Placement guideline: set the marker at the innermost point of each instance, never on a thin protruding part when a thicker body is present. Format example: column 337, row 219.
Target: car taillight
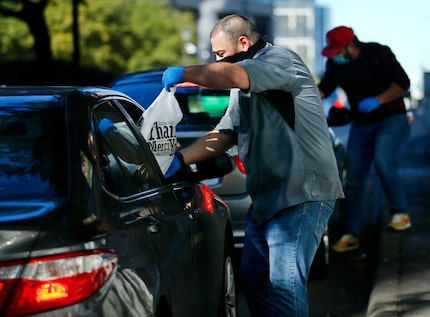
column 338, row 104
column 208, row 197
column 239, row 164
column 50, row 282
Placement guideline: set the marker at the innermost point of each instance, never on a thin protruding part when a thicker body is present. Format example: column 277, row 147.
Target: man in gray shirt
column 276, row 118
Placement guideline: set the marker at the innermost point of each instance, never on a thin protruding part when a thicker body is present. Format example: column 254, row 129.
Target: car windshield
column 29, row 160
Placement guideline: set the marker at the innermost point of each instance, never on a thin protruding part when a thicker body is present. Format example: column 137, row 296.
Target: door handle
column 152, row 224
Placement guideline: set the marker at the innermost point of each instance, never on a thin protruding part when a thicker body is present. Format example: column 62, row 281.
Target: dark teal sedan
column 88, row 224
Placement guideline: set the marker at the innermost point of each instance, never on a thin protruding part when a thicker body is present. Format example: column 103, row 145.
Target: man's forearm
column 218, row 75
column 211, row 145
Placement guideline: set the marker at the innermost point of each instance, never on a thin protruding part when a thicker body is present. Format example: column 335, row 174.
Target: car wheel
column 228, row 304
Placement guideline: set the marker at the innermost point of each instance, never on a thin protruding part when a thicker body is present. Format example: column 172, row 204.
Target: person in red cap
column 375, row 84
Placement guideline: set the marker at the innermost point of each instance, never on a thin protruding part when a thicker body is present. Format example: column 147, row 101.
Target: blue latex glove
column 176, row 164
column 105, row 125
column 368, row 104
column 172, row 76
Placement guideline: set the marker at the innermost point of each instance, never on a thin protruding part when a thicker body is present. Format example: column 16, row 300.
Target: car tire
column 228, row 300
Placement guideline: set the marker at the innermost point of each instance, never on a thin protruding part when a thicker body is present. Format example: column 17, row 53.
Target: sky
column 404, row 26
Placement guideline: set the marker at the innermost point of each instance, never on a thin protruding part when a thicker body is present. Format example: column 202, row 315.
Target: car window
column 32, row 153
column 127, row 168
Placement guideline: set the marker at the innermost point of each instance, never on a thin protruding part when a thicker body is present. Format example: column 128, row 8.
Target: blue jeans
column 378, row 143
column 277, row 256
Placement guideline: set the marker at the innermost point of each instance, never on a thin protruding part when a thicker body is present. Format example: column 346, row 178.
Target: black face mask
column 245, row 55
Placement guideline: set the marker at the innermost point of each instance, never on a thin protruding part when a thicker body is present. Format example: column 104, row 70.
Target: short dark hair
column 235, row 26
column 356, row 41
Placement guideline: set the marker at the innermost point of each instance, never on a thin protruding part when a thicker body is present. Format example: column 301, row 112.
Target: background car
column 202, row 108
column 88, row 224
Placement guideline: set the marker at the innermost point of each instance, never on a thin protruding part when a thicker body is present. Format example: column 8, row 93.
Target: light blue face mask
column 340, row 59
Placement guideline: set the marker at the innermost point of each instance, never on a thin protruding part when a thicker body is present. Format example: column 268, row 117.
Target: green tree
column 122, row 35
column 114, row 36
column 15, row 40
column 31, row 12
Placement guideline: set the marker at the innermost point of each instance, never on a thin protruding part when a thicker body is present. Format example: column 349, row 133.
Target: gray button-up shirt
column 291, row 160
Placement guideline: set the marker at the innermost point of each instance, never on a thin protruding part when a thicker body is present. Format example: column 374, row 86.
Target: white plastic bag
column 159, row 127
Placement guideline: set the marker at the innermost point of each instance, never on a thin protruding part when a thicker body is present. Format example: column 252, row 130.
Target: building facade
column 297, row 24
column 301, row 26
column 208, row 12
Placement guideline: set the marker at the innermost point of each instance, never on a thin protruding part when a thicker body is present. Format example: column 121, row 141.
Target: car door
column 153, row 236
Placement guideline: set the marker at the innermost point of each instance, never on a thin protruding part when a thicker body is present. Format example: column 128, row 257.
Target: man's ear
column 244, row 44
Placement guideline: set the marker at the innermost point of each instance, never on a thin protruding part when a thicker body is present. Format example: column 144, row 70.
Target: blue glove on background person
column 368, row 104
column 172, row 76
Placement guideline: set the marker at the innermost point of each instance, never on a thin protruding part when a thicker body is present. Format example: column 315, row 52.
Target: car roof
column 34, row 90
column 55, row 92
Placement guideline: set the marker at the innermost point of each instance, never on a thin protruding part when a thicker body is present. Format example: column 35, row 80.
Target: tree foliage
column 15, row 40
column 146, row 34
column 115, row 35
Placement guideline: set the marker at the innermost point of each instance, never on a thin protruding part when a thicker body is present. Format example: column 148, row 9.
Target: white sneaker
column 400, row 221
column 346, row 243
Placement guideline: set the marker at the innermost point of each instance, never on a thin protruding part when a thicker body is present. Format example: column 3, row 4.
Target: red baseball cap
column 337, row 38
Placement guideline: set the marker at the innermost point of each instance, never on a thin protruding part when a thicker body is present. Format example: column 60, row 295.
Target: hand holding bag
column 159, row 127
